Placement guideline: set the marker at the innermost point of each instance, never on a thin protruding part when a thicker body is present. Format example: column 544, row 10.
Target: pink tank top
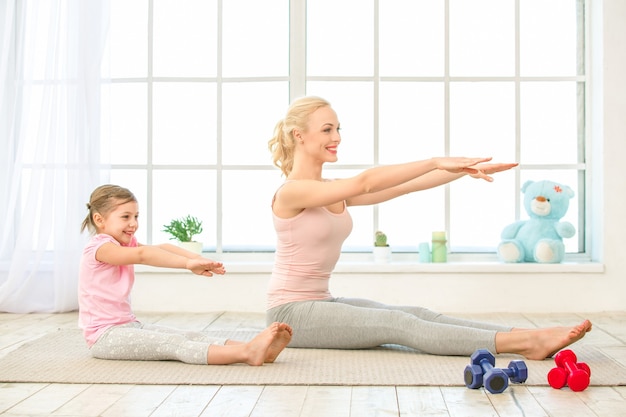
column 103, row 291
column 307, row 250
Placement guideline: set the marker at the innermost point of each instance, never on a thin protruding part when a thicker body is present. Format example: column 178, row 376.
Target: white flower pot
column 382, row 254
column 195, row 247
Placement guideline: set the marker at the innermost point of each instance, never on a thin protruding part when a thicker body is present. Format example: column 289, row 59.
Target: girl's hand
column 483, row 171
column 206, row 267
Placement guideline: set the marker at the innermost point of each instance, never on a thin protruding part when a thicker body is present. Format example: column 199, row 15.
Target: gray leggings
column 351, row 323
column 149, row 342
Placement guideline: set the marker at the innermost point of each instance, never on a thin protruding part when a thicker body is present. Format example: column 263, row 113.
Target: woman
column 312, row 221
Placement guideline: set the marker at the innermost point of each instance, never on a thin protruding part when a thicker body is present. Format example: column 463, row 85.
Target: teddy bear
column 539, row 239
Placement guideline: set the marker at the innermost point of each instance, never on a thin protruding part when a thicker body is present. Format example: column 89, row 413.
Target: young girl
column 109, row 326
column 311, row 219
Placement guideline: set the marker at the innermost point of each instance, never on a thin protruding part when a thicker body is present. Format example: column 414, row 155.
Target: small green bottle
column 439, row 248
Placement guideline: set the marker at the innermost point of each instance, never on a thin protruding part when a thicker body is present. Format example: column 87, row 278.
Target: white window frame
column 297, row 87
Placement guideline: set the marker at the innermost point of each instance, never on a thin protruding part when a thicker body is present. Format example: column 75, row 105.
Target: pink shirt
column 307, row 251
column 103, row 291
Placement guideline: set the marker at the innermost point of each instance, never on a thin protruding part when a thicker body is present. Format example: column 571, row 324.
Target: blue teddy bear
column 539, row 239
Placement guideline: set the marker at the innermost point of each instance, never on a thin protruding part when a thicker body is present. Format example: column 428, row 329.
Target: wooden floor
column 84, row 400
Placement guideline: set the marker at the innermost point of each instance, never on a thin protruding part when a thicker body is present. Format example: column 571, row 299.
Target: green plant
column 184, row 229
column 380, row 239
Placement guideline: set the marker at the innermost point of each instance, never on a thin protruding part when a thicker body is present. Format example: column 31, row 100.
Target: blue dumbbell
column 482, row 371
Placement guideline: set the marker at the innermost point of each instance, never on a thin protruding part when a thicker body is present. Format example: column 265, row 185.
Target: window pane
column 128, row 40
column 256, row 38
column 125, row 123
column 411, row 121
column 135, row 180
column 549, row 114
column 184, row 123
column 34, row 107
column 354, row 104
column 247, row 214
column 185, row 38
column 36, row 40
column 250, row 111
column 340, row 37
column 415, row 26
column 548, row 37
column 411, row 219
column 479, row 210
column 30, row 180
column 482, row 120
column 482, row 37
column 177, row 194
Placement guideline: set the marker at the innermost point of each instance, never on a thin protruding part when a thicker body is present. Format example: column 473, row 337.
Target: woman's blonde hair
column 104, row 200
column 283, row 143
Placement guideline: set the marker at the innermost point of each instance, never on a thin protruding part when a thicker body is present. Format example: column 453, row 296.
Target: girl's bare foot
column 256, row 350
column 280, row 342
column 544, row 343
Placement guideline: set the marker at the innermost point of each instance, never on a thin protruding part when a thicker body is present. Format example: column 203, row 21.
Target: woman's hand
column 457, row 165
column 474, row 167
column 483, row 171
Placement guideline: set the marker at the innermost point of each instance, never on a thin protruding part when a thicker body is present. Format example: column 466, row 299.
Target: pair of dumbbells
column 569, row 372
column 482, row 371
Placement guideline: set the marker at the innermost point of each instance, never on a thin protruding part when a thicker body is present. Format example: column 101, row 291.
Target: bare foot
column 544, row 343
column 256, row 350
column 280, row 342
column 581, row 330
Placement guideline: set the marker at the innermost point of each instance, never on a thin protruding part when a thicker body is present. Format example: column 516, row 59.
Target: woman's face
column 322, row 137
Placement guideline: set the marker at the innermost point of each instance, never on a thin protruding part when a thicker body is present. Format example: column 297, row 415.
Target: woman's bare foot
column 539, row 344
column 582, row 329
column 547, row 342
column 280, row 342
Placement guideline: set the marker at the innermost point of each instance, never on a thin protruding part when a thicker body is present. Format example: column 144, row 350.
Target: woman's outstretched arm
column 429, row 180
column 305, row 193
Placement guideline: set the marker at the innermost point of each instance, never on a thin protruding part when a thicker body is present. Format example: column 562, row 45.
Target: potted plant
column 183, row 230
column 382, row 251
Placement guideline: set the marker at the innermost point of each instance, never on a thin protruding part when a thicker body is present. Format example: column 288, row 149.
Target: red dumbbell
column 569, row 372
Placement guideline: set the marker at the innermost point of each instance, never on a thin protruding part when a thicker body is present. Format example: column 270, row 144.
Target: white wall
column 483, row 288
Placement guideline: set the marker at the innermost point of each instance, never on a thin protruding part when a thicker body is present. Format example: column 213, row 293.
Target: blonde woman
column 311, row 219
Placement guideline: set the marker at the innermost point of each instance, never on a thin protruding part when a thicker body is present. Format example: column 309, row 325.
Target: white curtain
column 50, row 85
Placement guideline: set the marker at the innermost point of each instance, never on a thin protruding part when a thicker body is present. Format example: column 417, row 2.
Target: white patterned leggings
column 150, row 342
column 352, row 323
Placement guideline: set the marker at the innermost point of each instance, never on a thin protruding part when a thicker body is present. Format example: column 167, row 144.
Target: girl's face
column 121, row 223
column 322, row 136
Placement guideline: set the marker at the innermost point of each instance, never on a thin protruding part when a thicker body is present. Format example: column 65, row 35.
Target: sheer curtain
column 50, row 84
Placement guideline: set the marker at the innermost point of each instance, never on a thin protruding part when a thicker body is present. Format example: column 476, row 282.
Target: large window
column 198, row 85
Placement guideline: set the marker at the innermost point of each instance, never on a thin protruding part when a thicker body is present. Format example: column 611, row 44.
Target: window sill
column 401, row 264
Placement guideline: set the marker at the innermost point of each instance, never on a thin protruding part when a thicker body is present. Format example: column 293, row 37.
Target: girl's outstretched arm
column 156, row 256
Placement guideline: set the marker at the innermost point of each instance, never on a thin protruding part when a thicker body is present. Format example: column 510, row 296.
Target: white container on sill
column 382, row 254
column 195, row 247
